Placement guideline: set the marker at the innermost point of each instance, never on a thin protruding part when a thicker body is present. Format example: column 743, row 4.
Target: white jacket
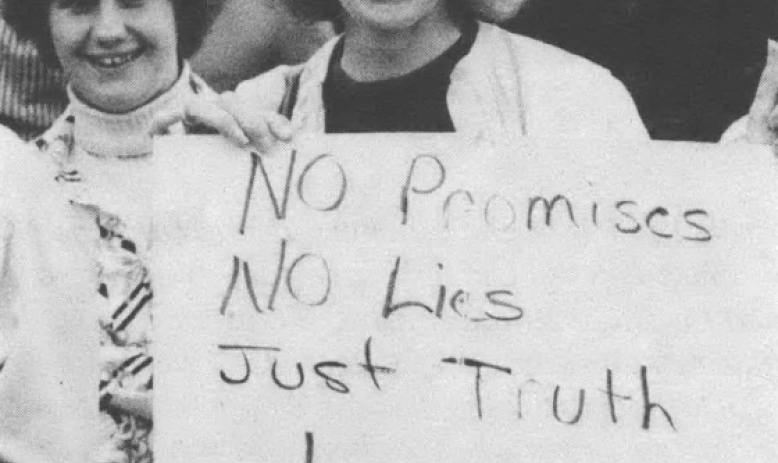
column 48, row 333
column 507, row 84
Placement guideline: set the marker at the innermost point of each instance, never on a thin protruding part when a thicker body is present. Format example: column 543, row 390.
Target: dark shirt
column 414, row 102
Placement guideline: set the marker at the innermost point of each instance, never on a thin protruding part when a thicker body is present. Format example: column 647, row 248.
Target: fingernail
column 285, row 132
column 241, row 137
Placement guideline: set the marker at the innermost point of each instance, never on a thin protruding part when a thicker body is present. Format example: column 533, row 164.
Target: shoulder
column 25, row 176
column 9, row 139
column 737, row 131
column 20, row 164
column 532, row 50
column 549, row 64
column 564, row 89
column 545, row 68
column 12, row 163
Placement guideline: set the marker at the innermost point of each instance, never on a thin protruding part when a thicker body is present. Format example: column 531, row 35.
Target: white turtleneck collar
column 125, row 135
column 111, row 155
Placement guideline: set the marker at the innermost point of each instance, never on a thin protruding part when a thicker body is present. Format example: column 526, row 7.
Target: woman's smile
column 117, row 54
column 113, row 60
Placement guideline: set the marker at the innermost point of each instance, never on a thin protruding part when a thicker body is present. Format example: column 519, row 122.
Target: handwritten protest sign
column 430, row 299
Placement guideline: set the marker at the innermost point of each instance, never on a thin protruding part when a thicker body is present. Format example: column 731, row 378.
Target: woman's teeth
column 115, row 61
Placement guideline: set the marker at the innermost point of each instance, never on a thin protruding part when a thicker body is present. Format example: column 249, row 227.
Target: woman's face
column 117, row 54
column 392, row 15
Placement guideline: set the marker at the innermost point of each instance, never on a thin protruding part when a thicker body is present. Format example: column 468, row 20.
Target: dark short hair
column 330, row 10
column 30, row 19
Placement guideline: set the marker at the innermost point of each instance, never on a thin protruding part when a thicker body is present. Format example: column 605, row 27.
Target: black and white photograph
column 388, row 231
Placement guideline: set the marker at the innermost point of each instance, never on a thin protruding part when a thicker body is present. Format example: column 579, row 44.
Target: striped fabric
column 32, row 94
column 125, row 325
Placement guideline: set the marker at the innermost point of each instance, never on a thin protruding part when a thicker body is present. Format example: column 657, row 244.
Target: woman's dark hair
column 330, row 10
column 30, row 19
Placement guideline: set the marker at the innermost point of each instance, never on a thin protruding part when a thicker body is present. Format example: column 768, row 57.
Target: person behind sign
column 426, row 66
column 124, row 60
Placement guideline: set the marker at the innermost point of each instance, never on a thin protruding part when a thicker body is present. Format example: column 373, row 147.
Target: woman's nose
column 109, row 23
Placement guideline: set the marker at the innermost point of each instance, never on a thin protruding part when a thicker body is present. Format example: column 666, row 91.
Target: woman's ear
column 497, row 10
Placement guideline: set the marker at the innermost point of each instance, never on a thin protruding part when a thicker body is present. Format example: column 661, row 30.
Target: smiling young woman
column 118, row 55
column 436, row 58
column 125, row 61
column 427, row 66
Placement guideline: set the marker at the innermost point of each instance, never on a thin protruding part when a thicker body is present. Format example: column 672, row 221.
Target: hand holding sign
column 763, row 115
column 242, row 122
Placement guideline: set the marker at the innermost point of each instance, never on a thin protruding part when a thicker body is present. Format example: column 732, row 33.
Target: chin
column 119, row 102
column 392, row 16
column 393, row 23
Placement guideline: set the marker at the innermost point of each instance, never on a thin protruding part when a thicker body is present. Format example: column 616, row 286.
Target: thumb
column 163, row 120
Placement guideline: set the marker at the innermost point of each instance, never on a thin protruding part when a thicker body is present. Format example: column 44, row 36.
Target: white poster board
column 428, row 299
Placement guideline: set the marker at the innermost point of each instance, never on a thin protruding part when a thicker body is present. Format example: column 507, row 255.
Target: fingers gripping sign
column 255, row 122
column 261, row 127
column 200, row 115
